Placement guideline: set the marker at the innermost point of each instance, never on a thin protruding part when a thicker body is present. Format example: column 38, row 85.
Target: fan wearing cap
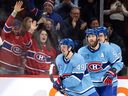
column 47, row 12
column 103, row 63
column 104, row 38
column 72, row 72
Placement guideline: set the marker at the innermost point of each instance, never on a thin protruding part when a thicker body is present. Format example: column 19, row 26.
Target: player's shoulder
column 105, row 46
column 114, row 45
column 77, row 55
column 78, row 58
column 59, row 56
column 82, row 49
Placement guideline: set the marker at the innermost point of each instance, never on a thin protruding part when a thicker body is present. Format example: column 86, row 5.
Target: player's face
column 92, row 40
column 43, row 36
column 64, row 49
column 101, row 37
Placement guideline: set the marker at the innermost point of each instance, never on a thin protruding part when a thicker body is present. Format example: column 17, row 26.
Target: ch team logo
column 94, row 66
column 17, row 50
column 42, row 58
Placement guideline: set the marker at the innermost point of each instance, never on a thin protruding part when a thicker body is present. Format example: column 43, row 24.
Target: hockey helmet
column 103, row 30
column 67, row 41
column 91, row 32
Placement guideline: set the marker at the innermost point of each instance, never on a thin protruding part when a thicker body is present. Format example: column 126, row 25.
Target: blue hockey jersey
column 79, row 82
column 119, row 53
column 100, row 61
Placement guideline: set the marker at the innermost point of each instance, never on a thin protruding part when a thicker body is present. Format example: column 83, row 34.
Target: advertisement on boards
column 19, row 86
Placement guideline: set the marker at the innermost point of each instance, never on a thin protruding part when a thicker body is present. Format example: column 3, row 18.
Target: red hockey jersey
column 12, row 48
column 38, row 61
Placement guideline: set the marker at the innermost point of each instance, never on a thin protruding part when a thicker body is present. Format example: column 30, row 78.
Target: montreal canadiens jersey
column 79, row 82
column 117, row 49
column 38, row 61
column 100, row 61
column 12, row 47
column 119, row 53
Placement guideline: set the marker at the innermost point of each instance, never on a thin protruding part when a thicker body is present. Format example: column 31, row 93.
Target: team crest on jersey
column 94, row 66
column 41, row 58
column 16, row 49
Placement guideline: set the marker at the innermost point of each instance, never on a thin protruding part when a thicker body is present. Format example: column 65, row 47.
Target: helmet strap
column 66, row 58
column 67, row 54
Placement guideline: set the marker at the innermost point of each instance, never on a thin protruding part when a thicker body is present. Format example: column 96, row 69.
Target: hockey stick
column 51, row 75
column 52, row 80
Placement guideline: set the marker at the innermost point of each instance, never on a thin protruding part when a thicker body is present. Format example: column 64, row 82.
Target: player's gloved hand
column 58, row 84
column 62, row 91
column 108, row 77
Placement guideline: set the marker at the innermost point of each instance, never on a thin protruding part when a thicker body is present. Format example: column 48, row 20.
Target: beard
column 94, row 44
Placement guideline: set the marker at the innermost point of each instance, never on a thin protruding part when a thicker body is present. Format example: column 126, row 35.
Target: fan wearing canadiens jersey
column 40, row 52
column 12, row 47
column 103, row 63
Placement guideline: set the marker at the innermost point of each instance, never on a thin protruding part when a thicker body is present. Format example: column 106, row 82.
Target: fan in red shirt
column 40, row 53
column 13, row 44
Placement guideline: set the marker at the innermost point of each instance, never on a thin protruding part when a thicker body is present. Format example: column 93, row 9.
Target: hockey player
column 103, row 38
column 103, row 63
column 12, row 47
column 73, row 76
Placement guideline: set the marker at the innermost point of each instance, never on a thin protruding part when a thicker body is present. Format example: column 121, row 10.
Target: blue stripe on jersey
column 7, row 46
column 7, row 29
column 78, row 75
column 86, row 71
column 106, row 64
column 30, row 54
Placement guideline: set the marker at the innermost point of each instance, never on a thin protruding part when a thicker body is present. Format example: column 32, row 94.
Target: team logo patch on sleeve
column 17, row 50
column 95, row 67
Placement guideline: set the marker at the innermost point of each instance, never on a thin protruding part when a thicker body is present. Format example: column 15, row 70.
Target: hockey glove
column 62, row 91
column 108, row 77
column 58, row 84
